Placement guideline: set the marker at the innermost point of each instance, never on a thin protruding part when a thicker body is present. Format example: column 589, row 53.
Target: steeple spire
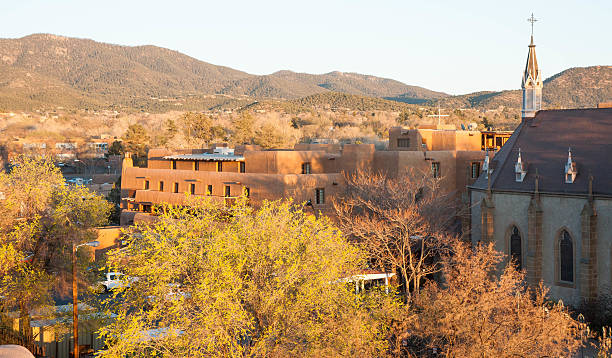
column 532, row 80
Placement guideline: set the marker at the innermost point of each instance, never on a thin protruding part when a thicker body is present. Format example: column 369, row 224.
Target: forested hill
column 43, row 69
column 576, row 87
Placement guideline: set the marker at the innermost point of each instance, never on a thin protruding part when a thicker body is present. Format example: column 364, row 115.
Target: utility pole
column 75, row 298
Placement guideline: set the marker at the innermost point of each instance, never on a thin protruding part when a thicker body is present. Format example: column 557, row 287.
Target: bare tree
column 402, row 222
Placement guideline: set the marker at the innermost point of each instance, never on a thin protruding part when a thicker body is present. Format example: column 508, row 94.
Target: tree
column 478, row 313
column 244, row 129
column 136, row 141
column 198, row 126
column 268, row 136
column 400, row 222
column 41, row 219
column 116, row 148
column 241, row 282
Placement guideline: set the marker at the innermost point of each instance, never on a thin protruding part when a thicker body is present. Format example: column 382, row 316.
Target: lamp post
column 75, row 312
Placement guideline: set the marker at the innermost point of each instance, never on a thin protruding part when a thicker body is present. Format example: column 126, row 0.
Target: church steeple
column 532, row 81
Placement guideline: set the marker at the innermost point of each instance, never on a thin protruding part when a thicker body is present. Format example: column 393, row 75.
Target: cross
column 438, row 115
column 532, row 20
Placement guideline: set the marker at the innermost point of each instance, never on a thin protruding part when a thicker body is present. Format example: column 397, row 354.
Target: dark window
column 196, row 165
column 305, row 168
column 242, row 167
column 566, row 257
column 475, row 170
column 192, row 189
column 161, row 186
column 516, row 248
column 403, row 142
column 146, row 185
column 499, row 142
column 227, row 191
column 219, row 166
column 319, row 196
column 174, row 164
column 247, row 191
column 435, row 169
column 176, row 187
column 209, row 190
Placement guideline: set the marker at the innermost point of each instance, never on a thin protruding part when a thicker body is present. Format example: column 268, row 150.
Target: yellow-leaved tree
column 40, row 219
column 215, row 281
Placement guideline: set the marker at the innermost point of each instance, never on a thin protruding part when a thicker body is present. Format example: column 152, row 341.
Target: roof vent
column 519, row 168
column 570, row 168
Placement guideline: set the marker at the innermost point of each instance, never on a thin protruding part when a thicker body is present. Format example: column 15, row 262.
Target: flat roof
column 207, row 157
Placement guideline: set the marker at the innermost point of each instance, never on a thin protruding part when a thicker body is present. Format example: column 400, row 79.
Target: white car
column 112, row 280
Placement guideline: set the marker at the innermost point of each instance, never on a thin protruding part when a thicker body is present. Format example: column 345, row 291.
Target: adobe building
column 310, row 173
column 545, row 199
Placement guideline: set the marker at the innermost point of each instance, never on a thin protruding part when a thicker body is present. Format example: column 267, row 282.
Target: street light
column 75, row 312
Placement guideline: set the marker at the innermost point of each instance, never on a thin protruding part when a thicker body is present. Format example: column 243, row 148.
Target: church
column 545, row 198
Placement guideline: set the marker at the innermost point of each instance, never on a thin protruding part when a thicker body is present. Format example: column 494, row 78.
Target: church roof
column 532, row 71
column 544, row 141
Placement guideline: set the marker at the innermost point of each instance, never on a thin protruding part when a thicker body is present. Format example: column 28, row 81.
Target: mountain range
column 44, row 70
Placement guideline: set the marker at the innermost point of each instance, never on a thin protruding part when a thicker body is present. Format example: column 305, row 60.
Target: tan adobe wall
column 329, row 148
column 414, row 137
column 287, row 162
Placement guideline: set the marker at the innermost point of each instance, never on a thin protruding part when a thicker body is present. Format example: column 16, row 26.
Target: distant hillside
column 48, row 70
column 577, row 87
column 332, row 100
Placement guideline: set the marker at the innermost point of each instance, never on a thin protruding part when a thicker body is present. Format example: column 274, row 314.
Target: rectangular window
column 475, row 170
column 146, row 185
column 209, row 190
column 319, row 196
column 174, row 164
column 403, row 142
column 227, row 191
column 306, row 168
column 161, row 186
column 219, row 166
column 435, row 169
column 247, row 191
column 192, row 189
column 196, row 165
column 242, row 167
column 176, row 187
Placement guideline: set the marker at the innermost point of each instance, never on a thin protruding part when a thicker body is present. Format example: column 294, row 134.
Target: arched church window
column 566, row 257
column 516, row 248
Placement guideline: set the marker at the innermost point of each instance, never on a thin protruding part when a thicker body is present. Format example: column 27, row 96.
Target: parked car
column 111, row 281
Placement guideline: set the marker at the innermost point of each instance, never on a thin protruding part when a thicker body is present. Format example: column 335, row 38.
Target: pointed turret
column 532, row 84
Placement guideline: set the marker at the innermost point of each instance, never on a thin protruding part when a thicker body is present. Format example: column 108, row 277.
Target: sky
column 455, row 47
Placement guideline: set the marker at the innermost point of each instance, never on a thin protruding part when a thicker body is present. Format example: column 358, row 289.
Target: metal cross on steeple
column 532, row 20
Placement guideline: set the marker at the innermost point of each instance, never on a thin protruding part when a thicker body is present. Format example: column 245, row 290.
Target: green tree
column 136, row 141
column 268, row 136
column 41, row 218
column 242, row 282
column 116, row 148
column 244, row 129
column 198, row 126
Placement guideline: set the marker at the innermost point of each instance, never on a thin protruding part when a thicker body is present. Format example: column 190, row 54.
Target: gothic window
column 516, row 248
column 566, row 257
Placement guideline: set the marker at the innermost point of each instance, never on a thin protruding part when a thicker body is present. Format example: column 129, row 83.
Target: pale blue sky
column 451, row 46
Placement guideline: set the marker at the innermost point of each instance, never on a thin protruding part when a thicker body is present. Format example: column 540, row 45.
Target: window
column 161, row 186
column 192, row 189
column 242, row 167
column 174, row 164
column 209, row 190
column 435, row 169
column 247, row 191
column 403, row 142
column 146, row 185
column 306, row 168
column 475, row 170
column 516, row 248
column 176, row 187
column 227, row 191
column 196, row 165
column 319, row 196
column 566, row 257
column 219, row 166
